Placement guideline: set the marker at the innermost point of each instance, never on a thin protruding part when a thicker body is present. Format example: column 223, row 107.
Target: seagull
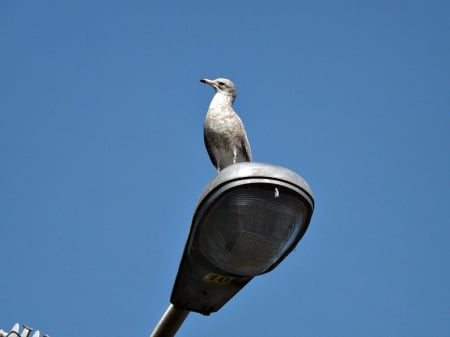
column 224, row 134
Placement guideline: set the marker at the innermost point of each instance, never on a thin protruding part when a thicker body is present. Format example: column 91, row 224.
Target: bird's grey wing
column 246, row 147
column 207, row 141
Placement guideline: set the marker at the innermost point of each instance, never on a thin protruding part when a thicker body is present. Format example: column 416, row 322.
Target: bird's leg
column 234, row 156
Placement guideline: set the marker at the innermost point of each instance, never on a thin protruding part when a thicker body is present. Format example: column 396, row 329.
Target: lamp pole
column 170, row 322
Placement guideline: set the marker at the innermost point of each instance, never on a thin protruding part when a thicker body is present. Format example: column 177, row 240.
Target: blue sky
column 102, row 161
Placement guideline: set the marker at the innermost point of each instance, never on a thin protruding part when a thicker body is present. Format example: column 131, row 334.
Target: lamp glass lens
column 250, row 228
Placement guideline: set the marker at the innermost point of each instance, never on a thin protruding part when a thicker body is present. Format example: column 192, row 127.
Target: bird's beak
column 205, row 80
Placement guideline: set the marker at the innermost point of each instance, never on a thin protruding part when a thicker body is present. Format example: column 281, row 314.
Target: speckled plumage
column 224, row 133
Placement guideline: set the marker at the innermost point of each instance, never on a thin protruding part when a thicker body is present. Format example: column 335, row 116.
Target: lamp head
column 248, row 219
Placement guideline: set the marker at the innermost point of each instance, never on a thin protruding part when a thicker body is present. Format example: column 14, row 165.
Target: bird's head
column 223, row 86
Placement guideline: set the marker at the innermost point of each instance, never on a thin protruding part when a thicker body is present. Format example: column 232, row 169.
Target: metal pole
column 170, row 322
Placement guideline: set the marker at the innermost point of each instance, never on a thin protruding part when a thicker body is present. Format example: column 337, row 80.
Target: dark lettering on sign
column 217, row 278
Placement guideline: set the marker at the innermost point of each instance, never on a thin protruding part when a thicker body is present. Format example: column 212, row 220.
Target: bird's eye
column 221, row 84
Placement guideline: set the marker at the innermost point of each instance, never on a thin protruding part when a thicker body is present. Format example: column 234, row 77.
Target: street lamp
column 248, row 219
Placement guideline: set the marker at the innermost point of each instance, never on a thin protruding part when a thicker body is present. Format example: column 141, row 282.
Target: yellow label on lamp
column 217, row 278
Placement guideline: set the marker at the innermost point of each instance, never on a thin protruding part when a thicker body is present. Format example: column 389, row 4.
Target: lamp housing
column 247, row 220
